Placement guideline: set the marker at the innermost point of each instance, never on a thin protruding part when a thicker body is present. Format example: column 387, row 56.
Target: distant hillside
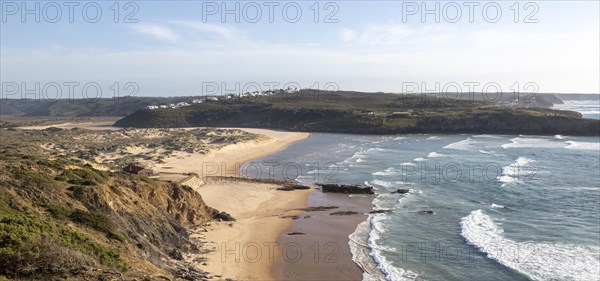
column 81, row 107
column 566, row 97
column 123, row 107
column 368, row 113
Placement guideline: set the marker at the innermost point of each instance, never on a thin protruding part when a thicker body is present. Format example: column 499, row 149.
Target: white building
column 151, row 107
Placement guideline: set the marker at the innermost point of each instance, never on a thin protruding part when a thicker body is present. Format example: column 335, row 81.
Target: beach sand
column 324, row 243
column 227, row 160
column 246, row 248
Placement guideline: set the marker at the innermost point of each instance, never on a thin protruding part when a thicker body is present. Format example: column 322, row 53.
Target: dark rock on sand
column 343, row 213
column 290, row 217
column 292, row 187
column 319, row 208
column 296, row 233
column 191, row 273
column 222, row 216
column 345, row 188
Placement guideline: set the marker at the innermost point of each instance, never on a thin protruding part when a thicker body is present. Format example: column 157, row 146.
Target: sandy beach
column 227, row 160
column 247, row 248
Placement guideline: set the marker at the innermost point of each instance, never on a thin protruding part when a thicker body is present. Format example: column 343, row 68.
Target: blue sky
column 369, row 46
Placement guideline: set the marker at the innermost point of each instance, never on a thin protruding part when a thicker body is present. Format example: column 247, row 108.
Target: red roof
column 133, row 169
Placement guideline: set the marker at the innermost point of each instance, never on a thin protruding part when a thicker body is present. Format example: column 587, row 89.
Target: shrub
column 30, row 246
column 35, row 179
column 59, row 212
column 83, row 176
column 98, row 222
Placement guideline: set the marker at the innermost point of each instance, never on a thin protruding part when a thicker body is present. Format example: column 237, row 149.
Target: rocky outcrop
column 318, row 208
column 345, row 188
column 380, row 211
column 343, row 213
column 222, row 216
column 292, row 187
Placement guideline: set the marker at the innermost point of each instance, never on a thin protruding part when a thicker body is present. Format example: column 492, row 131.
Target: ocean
column 480, row 207
column 587, row 108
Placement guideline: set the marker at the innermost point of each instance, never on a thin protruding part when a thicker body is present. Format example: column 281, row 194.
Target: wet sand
column 322, row 251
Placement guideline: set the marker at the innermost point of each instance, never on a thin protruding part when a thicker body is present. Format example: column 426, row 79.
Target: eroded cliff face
column 92, row 223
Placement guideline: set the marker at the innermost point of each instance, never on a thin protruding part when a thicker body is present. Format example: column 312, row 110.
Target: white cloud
column 223, row 32
column 379, row 34
column 348, row 35
column 157, row 31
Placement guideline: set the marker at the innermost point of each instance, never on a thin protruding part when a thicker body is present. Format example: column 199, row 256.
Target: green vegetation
column 84, row 176
column 35, row 179
column 29, row 247
column 96, row 221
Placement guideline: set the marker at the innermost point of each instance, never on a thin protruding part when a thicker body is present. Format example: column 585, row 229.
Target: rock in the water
column 425, row 212
column 380, row 211
column 345, row 188
column 401, row 191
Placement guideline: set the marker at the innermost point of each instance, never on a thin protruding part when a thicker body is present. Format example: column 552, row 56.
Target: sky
column 177, row 48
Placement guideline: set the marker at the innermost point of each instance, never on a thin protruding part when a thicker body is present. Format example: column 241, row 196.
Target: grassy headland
column 366, row 113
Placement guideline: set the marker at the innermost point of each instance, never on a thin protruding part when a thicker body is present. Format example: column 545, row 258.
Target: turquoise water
column 505, row 207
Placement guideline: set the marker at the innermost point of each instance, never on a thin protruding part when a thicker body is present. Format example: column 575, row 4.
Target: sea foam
column 538, row 260
column 583, row 145
column 517, row 171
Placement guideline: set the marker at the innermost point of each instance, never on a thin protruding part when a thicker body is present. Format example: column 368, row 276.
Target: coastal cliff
column 62, row 218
